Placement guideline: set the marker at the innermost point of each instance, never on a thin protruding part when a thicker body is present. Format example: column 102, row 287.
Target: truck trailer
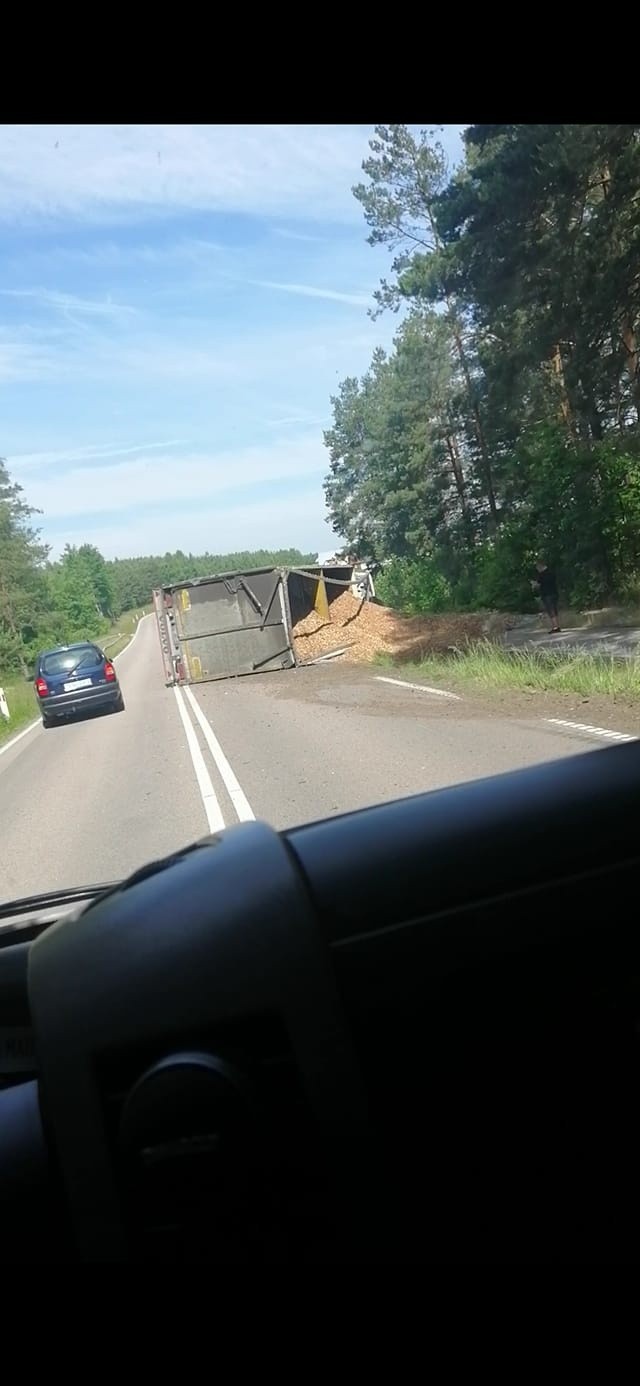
column 233, row 624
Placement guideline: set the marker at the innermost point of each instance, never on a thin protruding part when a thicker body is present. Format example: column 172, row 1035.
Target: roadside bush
column 503, row 569
column 412, row 586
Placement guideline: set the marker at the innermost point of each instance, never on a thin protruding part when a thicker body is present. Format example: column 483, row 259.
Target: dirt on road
column 340, row 683
column 363, row 630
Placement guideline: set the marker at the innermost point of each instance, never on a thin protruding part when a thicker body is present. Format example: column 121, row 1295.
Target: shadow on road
column 93, row 715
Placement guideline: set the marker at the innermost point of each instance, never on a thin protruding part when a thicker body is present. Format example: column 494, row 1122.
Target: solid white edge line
column 131, row 640
column 421, row 687
column 593, row 731
column 236, row 793
column 19, row 735
column 207, row 791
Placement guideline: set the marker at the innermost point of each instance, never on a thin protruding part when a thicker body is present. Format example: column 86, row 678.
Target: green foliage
column 22, row 584
column 74, row 584
column 505, row 421
column 132, row 580
column 413, row 586
column 99, row 576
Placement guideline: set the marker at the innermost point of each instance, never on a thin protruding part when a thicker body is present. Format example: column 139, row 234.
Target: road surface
column 93, row 800
column 621, row 642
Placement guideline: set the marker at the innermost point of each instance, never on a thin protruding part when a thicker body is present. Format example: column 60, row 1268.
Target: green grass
column 489, row 666
column 21, row 700
column 19, row 693
column 114, row 643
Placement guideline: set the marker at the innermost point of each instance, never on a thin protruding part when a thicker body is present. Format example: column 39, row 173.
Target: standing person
column 545, row 582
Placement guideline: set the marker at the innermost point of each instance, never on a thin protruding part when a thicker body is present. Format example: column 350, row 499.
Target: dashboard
column 411, row 1033
column 17, row 1039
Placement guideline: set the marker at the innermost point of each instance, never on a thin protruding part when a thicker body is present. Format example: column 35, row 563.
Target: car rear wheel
column 119, row 706
column 47, row 723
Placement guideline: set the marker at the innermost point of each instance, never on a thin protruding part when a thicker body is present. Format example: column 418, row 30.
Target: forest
column 504, row 422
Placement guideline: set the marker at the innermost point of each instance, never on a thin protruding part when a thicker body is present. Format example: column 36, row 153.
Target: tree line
column 504, row 421
column 81, row 594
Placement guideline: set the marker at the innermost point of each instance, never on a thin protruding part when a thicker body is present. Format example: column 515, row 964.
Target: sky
column 178, row 303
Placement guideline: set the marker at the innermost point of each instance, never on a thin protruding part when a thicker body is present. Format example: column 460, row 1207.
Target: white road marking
column 25, row 732
column 130, row 642
column 592, row 731
column 420, row 687
column 236, row 793
column 207, row 791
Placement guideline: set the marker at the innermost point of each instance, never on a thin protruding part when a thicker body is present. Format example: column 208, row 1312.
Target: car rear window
column 61, row 661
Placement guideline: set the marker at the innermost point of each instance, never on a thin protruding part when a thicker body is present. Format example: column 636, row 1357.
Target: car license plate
column 77, row 683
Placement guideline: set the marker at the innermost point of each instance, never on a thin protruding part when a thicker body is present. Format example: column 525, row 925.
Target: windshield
column 328, row 436
column 63, row 661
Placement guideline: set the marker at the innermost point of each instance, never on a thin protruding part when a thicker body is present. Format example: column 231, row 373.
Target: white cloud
column 108, row 173
column 176, row 478
column 27, row 361
column 118, row 255
column 291, row 420
column 71, row 305
column 313, row 291
column 289, row 235
column 149, row 352
column 294, row 521
column 24, row 461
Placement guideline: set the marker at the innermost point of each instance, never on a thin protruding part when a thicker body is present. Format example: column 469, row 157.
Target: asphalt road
column 621, row 642
column 93, row 800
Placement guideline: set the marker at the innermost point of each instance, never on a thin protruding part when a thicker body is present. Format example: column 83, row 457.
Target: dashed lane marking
column 419, row 687
column 603, row 733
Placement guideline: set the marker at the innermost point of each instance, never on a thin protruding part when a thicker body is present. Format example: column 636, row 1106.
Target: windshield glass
column 62, row 661
column 328, row 435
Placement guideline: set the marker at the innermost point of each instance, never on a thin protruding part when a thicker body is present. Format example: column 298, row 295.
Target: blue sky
column 177, row 305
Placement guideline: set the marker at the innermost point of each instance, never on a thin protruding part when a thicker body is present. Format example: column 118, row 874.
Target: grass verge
column 114, row 643
column 21, row 699
column 489, row 666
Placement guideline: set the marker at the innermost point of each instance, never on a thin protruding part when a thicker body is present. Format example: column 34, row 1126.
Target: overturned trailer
column 233, row 624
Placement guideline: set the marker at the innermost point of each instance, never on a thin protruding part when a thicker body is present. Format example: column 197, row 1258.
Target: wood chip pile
column 368, row 630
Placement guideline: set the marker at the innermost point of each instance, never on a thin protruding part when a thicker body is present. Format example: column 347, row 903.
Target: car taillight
column 41, row 688
column 109, row 671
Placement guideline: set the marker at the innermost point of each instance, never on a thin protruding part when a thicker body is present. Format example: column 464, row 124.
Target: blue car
column 73, row 679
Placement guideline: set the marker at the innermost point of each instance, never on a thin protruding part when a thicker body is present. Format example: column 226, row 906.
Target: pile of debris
column 358, row 628
column 361, row 630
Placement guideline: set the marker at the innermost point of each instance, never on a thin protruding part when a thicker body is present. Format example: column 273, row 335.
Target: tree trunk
column 475, row 410
column 566, row 412
column 591, row 410
column 456, row 467
column 632, row 359
column 473, row 399
column 629, row 339
column 620, row 403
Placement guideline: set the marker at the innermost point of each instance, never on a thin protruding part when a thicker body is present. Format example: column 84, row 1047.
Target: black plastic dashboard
column 417, row 1026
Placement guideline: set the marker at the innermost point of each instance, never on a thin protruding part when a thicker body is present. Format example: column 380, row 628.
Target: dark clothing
column 548, row 586
column 548, row 593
